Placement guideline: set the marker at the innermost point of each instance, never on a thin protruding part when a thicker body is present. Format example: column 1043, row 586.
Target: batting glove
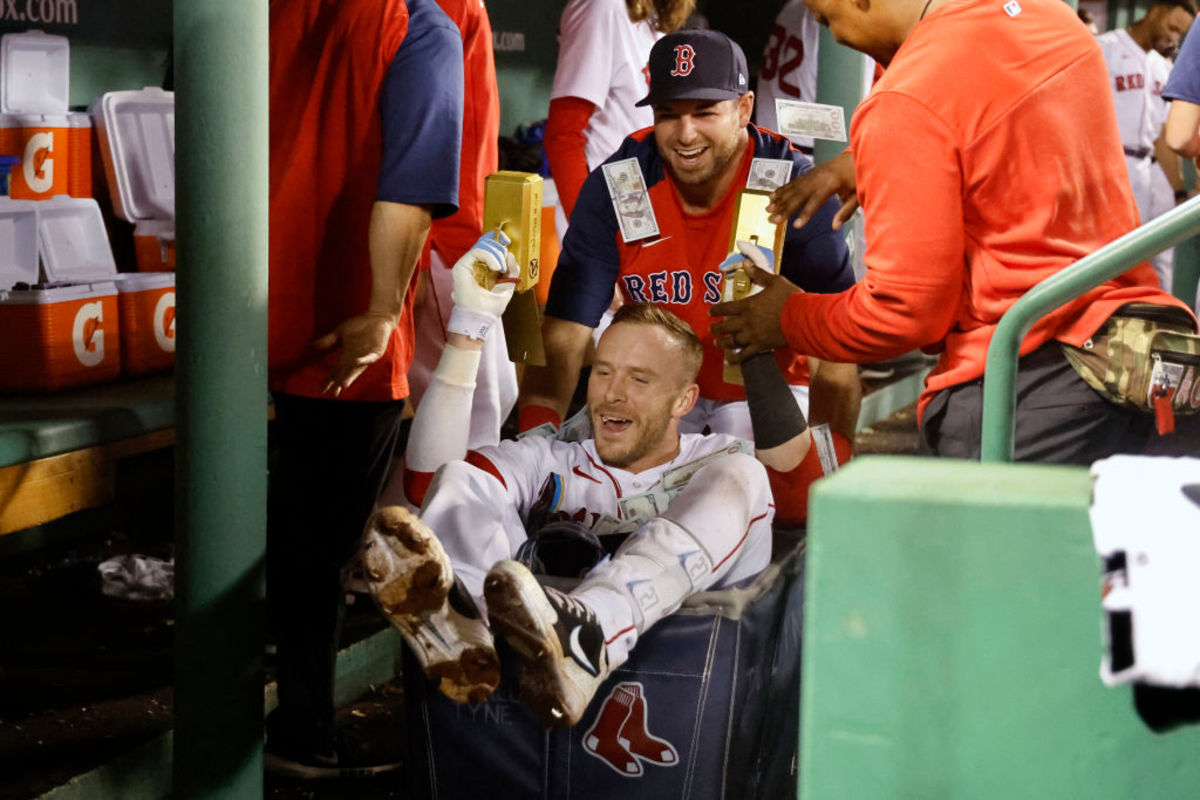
column 476, row 307
column 756, row 254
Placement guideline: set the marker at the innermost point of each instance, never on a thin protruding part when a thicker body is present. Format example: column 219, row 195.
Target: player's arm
column 911, row 292
column 442, row 424
column 421, row 130
column 834, row 398
column 1170, row 163
column 566, row 143
column 1182, row 131
column 782, row 439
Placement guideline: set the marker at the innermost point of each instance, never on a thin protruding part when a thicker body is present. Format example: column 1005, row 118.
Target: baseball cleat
column 410, row 577
column 555, row 635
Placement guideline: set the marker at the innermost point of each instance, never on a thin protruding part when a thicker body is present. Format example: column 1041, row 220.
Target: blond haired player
column 433, row 573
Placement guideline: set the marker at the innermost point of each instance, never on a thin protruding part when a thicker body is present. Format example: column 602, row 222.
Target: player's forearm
column 1182, row 131
column 781, row 438
column 566, row 143
column 1170, row 163
column 553, row 385
column 396, row 237
column 835, row 395
column 442, row 424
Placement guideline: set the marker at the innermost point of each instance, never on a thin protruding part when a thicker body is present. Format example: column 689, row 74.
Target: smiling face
column 699, row 140
column 642, row 382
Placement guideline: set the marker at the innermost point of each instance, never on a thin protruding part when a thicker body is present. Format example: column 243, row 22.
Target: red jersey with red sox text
column 678, row 269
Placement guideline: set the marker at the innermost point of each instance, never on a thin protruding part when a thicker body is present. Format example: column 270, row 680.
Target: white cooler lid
column 143, row 281
column 18, row 242
column 35, row 73
column 75, row 245
column 136, row 130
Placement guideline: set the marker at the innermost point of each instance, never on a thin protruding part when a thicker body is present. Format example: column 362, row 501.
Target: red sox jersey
column 789, row 65
column 1137, row 78
column 678, row 269
column 546, row 480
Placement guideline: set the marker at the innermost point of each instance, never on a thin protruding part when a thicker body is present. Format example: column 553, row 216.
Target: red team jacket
column 678, row 269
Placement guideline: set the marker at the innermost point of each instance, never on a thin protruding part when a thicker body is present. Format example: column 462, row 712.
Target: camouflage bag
column 1141, row 354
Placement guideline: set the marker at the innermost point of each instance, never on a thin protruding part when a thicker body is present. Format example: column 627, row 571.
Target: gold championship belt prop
column 751, row 223
column 512, row 204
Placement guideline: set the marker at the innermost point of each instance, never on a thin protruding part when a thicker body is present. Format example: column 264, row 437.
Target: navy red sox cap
column 696, row 65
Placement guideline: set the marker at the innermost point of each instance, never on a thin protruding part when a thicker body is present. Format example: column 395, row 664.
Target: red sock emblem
column 620, row 738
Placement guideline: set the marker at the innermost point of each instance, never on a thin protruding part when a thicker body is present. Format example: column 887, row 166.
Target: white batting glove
column 477, row 308
column 756, row 254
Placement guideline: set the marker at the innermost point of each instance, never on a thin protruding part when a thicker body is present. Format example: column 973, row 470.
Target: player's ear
column 745, row 106
column 686, row 400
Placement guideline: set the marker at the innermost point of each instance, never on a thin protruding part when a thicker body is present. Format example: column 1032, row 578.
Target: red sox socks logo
column 683, row 61
column 619, row 736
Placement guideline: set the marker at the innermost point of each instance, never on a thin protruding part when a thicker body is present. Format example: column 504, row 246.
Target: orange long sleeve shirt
column 987, row 159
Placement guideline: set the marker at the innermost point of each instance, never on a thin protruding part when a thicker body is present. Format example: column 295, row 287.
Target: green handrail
column 1000, row 384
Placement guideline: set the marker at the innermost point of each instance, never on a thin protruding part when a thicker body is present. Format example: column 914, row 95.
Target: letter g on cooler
column 164, row 322
column 37, row 165
column 87, row 334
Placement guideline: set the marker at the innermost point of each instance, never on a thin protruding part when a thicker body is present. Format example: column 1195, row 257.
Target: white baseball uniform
column 693, row 526
column 602, row 58
column 789, row 66
column 1137, row 79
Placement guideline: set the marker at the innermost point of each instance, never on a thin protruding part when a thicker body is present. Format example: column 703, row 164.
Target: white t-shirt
column 789, row 65
column 1136, row 77
column 602, row 59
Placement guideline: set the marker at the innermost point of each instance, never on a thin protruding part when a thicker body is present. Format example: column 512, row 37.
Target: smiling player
column 690, row 512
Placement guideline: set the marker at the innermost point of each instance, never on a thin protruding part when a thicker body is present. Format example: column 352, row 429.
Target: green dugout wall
column 952, row 643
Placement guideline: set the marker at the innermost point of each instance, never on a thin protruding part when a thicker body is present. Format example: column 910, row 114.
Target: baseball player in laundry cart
column 692, row 511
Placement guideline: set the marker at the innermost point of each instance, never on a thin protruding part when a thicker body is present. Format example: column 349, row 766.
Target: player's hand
column 363, row 339
column 491, row 250
column 751, row 325
column 808, row 192
column 756, row 254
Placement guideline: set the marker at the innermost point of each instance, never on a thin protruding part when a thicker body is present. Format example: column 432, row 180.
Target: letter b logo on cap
column 684, row 55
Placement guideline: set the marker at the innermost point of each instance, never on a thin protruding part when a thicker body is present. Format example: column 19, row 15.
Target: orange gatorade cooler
column 154, row 244
column 54, row 338
column 147, row 307
column 64, row 330
column 42, row 142
column 79, row 155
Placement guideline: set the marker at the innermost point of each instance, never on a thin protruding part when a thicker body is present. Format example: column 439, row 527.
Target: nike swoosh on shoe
column 577, row 651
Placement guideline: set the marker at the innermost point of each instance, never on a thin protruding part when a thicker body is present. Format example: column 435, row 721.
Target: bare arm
column 835, row 395
column 553, row 385
column 1169, row 162
column 396, row 236
column 1182, row 131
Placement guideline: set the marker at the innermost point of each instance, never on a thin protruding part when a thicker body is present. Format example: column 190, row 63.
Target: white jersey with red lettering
column 715, row 496
column 1137, row 78
column 789, row 66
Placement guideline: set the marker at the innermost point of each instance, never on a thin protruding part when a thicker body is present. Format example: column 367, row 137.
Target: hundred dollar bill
column 642, row 507
column 768, row 174
column 817, row 120
column 823, row 439
column 673, row 480
column 630, row 199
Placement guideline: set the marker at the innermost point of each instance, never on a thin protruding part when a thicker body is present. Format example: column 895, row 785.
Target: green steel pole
column 221, row 396
column 1000, row 378
column 840, row 80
